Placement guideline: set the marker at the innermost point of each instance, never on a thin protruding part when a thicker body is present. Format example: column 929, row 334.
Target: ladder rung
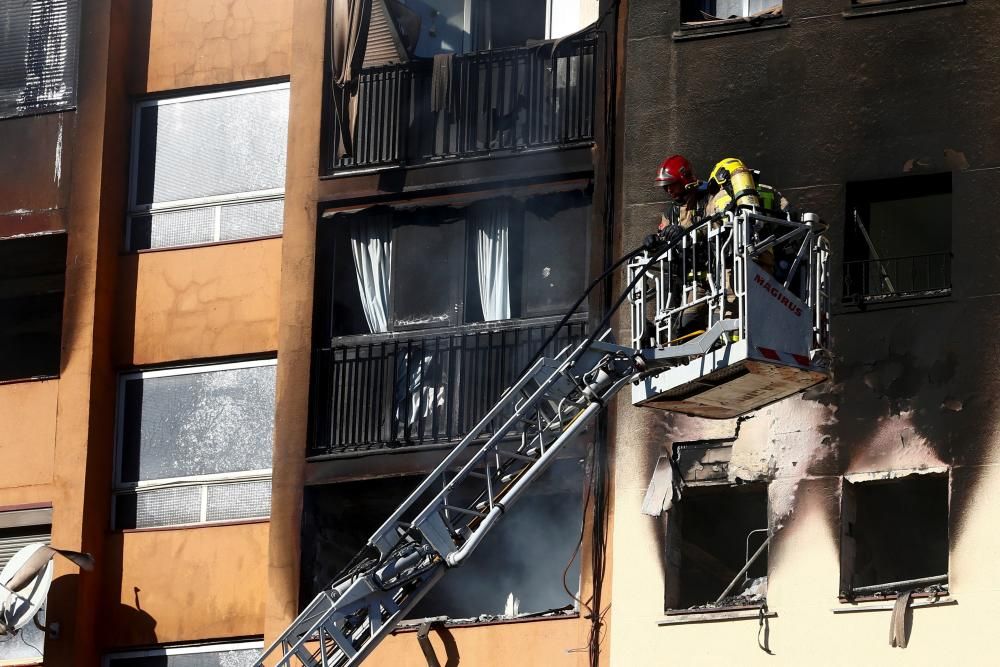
column 462, row 510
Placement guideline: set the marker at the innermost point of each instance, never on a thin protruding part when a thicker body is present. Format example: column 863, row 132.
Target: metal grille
column 165, row 507
column 242, row 500
column 873, row 280
column 38, row 56
column 212, row 146
column 253, row 219
column 172, row 228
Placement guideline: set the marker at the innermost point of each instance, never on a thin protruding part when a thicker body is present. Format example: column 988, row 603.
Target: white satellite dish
column 25, row 581
column 18, row 607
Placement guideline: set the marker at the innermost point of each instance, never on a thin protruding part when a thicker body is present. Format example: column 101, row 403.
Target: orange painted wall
column 544, row 643
column 198, row 303
column 27, row 441
column 208, row 42
column 185, row 584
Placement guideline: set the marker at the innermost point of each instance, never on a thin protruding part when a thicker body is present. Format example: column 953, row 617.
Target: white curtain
column 371, row 243
column 416, row 396
column 491, row 224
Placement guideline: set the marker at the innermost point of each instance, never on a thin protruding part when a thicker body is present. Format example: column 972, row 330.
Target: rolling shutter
column 13, row 540
column 383, row 42
column 38, row 56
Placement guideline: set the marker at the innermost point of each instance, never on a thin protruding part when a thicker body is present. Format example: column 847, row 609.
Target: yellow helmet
column 731, row 175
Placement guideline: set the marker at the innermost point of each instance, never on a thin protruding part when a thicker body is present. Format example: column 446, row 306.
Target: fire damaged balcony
column 390, row 391
column 479, row 104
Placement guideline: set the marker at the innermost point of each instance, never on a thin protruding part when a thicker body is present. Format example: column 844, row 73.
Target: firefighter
column 677, row 178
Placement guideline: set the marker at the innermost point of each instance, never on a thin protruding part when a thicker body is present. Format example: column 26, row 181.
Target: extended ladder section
column 448, row 515
column 758, row 280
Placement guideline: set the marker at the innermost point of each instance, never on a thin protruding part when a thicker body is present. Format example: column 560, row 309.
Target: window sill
column 895, row 300
column 705, row 29
column 880, row 7
column 192, row 526
column 916, row 602
column 688, row 616
column 412, row 625
column 192, row 246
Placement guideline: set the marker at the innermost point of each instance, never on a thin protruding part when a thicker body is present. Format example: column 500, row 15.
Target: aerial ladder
column 727, row 318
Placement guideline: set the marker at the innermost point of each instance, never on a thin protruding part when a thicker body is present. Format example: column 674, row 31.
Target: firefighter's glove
column 670, row 234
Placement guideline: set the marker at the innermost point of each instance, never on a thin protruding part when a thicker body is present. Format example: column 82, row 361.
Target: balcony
column 399, row 390
column 503, row 100
column 894, row 278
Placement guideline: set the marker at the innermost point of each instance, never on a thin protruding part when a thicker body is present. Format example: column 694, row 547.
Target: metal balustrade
column 507, row 99
column 398, row 390
column 873, row 280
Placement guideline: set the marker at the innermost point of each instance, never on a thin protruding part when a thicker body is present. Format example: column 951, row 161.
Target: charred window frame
column 897, row 240
column 707, row 18
column 19, row 528
column 208, row 168
column 223, row 654
column 434, row 262
column 894, row 535
column 193, row 445
column 32, row 283
column 526, row 555
column 714, row 532
column 39, row 45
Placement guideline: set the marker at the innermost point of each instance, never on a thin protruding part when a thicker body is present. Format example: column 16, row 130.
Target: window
column 208, row 168
column 194, row 445
column 32, row 277
column 394, row 269
column 456, row 26
column 19, row 528
column 38, row 56
column 694, row 11
column 518, row 569
column 894, row 535
column 243, row 654
column 713, row 532
column 897, row 242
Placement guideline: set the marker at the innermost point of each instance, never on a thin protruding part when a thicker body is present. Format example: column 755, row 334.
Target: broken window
column 392, row 270
column 32, row 278
column 894, row 535
column 897, row 242
column 208, row 168
column 194, row 445
column 38, row 56
column 18, row 529
column 430, row 27
column 518, row 569
column 242, row 654
column 717, row 534
column 696, row 11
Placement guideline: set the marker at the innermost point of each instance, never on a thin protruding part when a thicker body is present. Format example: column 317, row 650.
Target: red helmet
column 675, row 169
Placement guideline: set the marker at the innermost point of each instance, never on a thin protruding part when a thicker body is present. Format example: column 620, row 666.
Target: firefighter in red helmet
column 677, row 178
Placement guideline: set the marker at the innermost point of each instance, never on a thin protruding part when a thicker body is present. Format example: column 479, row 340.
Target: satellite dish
column 25, row 581
column 19, row 606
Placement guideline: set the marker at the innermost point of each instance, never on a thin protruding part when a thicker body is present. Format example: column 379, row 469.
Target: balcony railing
column 874, row 280
column 377, row 392
column 501, row 100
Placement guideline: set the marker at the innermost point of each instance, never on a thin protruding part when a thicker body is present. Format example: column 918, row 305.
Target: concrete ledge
column 714, row 616
column 895, row 6
column 728, row 27
column 853, row 608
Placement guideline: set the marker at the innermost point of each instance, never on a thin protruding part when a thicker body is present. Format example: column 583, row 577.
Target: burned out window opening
column 897, row 242
column 194, row 445
column 702, row 11
column 39, row 41
column 717, row 532
column 221, row 654
column 894, row 536
column 19, row 528
column 208, row 168
column 32, row 283
column 517, row 572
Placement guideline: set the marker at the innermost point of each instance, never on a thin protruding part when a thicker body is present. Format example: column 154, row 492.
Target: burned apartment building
column 873, row 114
column 257, row 280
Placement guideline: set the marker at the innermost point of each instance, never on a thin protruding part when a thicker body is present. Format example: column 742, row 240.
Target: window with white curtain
column 241, row 654
column 194, row 445
column 208, row 168
column 497, row 259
